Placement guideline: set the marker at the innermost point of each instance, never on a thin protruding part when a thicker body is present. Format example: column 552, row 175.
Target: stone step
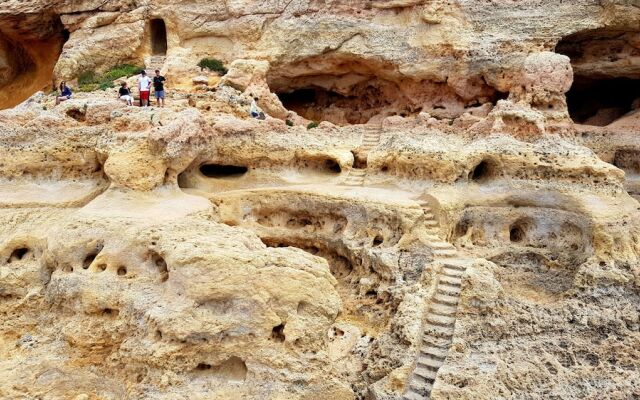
column 438, row 330
column 429, row 362
column 451, row 280
column 357, row 172
column 443, row 309
column 445, row 299
column 432, row 341
column 445, row 252
column 431, row 222
column 441, row 245
column 424, row 388
column 458, row 263
column 428, row 215
column 452, row 272
column 412, row 395
column 449, row 289
column 441, row 320
column 435, row 352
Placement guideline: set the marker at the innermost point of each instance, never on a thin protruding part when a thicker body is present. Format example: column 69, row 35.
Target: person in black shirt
column 158, row 88
column 125, row 94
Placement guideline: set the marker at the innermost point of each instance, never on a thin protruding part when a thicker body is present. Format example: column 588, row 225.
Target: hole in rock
column 333, row 166
column 160, row 264
column 377, row 241
column 233, row 369
column 101, row 267
column 18, row 254
column 347, row 89
column 518, row 230
column 158, row 36
column 600, row 102
column 203, row 367
column 110, row 312
column 122, row 270
column 91, row 257
column 277, row 333
column 483, row 172
column 222, row 171
column 606, row 66
column 78, row 115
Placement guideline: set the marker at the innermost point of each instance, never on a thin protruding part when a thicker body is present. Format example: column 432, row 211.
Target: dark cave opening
column 599, row 102
column 158, row 37
column 220, row 171
column 484, row 171
column 606, row 79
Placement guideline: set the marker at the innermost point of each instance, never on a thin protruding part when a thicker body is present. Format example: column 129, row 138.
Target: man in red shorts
column 144, row 86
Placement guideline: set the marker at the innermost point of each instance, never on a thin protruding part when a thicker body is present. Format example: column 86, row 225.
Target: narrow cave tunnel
column 606, row 66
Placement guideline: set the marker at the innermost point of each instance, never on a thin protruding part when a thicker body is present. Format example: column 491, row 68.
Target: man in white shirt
column 144, row 86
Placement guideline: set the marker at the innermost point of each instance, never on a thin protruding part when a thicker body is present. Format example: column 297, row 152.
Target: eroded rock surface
column 462, row 223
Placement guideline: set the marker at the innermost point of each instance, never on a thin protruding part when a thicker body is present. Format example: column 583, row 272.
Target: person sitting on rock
column 125, row 94
column 158, row 88
column 255, row 111
column 144, row 86
column 65, row 93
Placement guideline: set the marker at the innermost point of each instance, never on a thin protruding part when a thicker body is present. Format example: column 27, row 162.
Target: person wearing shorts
column 125, row 94
column 158, row 88
column 144, row 86
column 65, row 93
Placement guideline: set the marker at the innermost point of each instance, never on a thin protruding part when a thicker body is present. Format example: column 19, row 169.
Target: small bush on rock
column 312, row 125
column 213, row 64
column 89, row 81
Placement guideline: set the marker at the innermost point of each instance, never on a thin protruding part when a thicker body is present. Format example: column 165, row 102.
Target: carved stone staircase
column 440, row 316
column 370, row 139
column 153, row 63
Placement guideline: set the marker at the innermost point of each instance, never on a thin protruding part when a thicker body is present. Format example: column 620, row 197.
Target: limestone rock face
column 440, row 202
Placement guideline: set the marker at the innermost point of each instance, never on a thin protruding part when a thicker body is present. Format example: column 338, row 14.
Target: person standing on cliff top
column 144, row 86
column 158, row 88
column 65, row 93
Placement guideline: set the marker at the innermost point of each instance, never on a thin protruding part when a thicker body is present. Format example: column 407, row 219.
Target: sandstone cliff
column 463, row 222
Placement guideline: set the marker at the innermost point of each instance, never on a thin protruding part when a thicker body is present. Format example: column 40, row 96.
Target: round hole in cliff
column 101, row 267
column 77, row 114
column 484, row 171
column 161, row 265
column 277, row 333
column 518, row 230
column 158, row 36
column 203, row 367
column 377, row 241
column 333, row 166
column 18, row 254
column 122, row 270
column 220, row 171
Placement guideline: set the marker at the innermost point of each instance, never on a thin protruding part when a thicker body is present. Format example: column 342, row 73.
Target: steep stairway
column 370, row 139
column 439, row 319
column 152, row 63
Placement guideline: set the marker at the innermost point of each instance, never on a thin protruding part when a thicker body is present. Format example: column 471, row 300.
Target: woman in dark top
column 125, row 94
column 65, row 93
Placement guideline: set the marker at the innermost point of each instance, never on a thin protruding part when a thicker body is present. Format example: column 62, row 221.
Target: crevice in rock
column 219, row 171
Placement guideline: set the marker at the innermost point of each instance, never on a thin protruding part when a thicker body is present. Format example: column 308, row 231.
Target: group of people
column 124, row 93
column 144, row 87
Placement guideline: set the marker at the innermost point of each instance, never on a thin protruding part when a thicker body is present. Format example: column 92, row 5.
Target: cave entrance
column 158, row 37
column 606, row 66
column 600, row 102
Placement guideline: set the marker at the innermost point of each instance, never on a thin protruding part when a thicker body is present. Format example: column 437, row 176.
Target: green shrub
column 312, row 125
column 90, row 81
column 213, row 65
column 289, row 122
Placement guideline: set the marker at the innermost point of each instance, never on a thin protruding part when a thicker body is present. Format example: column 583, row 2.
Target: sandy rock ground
column 463, row 223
